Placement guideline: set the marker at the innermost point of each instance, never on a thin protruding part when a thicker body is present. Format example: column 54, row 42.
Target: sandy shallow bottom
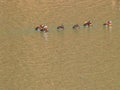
column 85, row 59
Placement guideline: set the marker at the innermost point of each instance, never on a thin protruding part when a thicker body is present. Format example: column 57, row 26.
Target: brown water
column 86, row 59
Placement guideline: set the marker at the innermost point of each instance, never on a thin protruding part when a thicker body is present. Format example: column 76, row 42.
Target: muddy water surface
column 85, row 59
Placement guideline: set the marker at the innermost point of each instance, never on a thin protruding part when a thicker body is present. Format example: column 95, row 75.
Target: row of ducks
column 76, row 26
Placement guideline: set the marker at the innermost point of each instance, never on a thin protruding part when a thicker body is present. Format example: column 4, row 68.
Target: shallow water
column 85, row 59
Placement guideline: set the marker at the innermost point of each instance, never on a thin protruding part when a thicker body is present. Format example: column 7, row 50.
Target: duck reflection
column 45, row 35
